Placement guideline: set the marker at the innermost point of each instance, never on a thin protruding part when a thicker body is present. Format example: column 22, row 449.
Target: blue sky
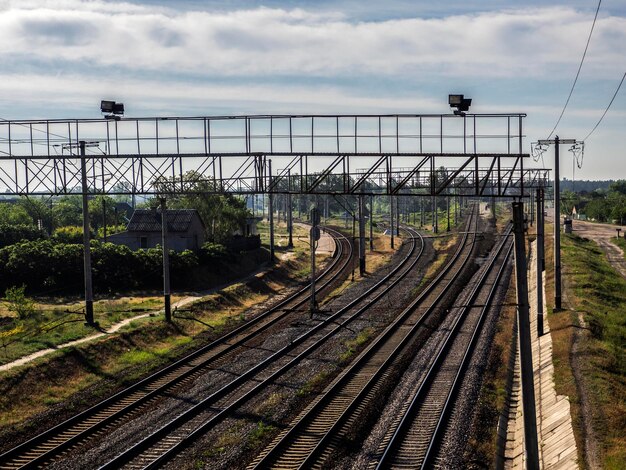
column 59, row 58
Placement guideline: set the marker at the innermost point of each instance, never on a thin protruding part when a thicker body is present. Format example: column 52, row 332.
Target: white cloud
column 271, row 42
column 157, row 96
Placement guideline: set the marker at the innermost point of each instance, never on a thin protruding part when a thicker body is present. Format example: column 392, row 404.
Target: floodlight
column 111, row 109
column 455, row 100
column 107, row 106
column 459, row 102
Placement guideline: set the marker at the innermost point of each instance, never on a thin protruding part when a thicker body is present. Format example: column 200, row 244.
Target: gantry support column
column 540, row 260
column 371, row 222
column 526, row 358
column 270, row 210
column 391, row 218
column 361, row 234
column 87, row 249
column 289, row 221
column 166, row 262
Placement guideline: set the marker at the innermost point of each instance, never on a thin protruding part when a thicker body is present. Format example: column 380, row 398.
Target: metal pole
column 361, row 234
column 540, row 255
column 398, row 215
column 557, row 228
column 314, row 215
column 456, row 204
column 270, row 210
column 532, row 209
column 526, row 359
column 448, row 210
column 166, row 262
column 104, row 218
column 289, row 221
column 391, row 218
column 371, row 222
column 435, row 221
column 87, row 251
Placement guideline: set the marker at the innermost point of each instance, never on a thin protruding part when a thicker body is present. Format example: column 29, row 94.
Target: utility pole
column 526, row 358
column 87, row 250
column 557, row 217
column 166, row 262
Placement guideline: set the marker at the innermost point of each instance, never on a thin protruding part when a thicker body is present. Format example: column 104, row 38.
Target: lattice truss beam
column 322, row 154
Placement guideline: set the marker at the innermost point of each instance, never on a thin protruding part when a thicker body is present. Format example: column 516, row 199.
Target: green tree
column 101, row 209
column 597, row 209
column 39, row 210
column 67, row 211
column 618, row 186
column 222, row 214
column 14, row 214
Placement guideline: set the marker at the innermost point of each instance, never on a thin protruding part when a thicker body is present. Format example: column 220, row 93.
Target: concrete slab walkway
column 557, row 446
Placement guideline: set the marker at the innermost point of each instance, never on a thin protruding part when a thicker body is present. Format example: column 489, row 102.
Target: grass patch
column 313, row 385
column 259, row 434
column 599, row 293
column 61, row 322
column 354, row 345
column 229, row 439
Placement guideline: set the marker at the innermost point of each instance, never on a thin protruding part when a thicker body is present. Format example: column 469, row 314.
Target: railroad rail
column 181, row 432
column 316, row 433
column 419, row 431
column 44, row 447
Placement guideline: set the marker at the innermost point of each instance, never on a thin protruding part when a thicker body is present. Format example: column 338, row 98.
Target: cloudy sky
column 60, row 58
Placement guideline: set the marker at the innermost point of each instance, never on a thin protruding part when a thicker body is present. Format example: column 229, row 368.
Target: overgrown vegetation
column 144, row 344
column 599, row 293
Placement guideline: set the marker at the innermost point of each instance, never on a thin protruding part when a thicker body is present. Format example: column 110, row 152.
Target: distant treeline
column 585, row 186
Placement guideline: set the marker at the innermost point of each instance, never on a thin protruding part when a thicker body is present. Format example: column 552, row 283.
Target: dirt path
column 114, row 328
column 603, row 235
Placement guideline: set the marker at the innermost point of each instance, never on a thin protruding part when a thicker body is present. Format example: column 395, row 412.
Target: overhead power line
column 579, row 68
column 607, row 108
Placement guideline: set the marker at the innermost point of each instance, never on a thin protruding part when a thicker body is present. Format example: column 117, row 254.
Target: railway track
column 97, row 420
column 319, row 430
column 417, row 434
column 186, row 428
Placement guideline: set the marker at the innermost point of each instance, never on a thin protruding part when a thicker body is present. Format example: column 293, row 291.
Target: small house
column 185, row 230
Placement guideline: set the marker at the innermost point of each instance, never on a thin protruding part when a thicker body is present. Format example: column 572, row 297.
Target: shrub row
column 13, row 233
column 46, row 266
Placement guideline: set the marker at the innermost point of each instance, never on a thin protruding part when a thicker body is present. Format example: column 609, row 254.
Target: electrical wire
column 607, row 108
column 579, row 68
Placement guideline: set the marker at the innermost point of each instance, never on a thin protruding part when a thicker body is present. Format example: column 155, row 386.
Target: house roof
column 146, row 220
